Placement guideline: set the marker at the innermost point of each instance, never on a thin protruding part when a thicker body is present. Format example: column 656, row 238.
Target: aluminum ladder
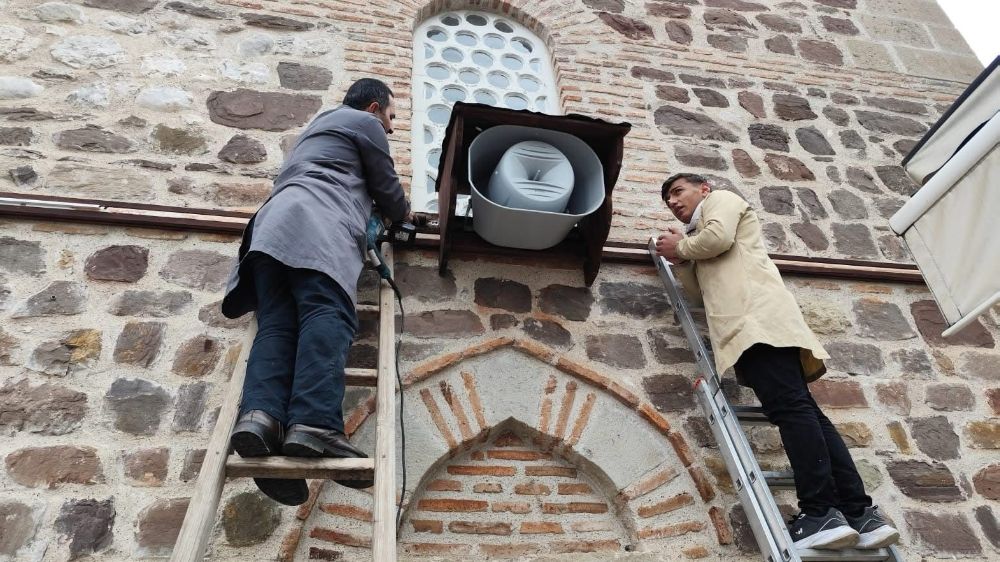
column 753, row 486
column 219, row 464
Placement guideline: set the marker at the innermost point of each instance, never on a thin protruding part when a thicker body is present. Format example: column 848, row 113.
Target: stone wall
column 543, row 417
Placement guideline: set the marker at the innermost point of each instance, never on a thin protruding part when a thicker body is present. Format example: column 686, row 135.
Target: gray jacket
column 322, row 198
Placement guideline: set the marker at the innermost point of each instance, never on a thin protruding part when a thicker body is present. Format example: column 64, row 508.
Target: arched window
column 473, row 57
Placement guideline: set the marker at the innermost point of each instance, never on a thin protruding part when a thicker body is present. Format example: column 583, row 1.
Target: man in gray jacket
column 300, row 259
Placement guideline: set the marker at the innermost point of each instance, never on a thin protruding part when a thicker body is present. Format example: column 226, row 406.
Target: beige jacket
column 745, row 300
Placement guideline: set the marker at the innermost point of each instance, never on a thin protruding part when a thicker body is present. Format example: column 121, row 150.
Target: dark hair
column 693, row 178
column 366, row 90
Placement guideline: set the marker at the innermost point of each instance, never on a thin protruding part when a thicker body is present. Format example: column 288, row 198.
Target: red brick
column 666, row 506
column 349, row 511
column 509, row 550
column 704, row 487
column 517, row 455
column 451, row 505
column 532, row 489
column 477, row 456
column 722, row 531
column 427, row 526
column 544, row 470
column 479, row 528
column 674, row 530
column 541, row 528
column 435, row 549
column 564, row 547
column 643, row 487
column 574, row 489
column 324, row 554
column 574, row 507
column 511, row 507
column 487, row 488
column 347, row 539
column 444, row 486
column 488, row 470
column 289, row 544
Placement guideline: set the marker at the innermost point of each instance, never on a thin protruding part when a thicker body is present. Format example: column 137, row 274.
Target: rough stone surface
column 679, row 32
column 195, row 10
column 86, row 51
column 943, row 532
column 839, row 25
column 792, row 108
column 851, row 139
column 191, row 400
column 279, row 23
column 269, row 111
column 118, row 263
column 670, row 393
column 146, row 467
column 242, row 149
column 158, row 526
column 571, row 303
column 15, row 136
column 18, row 524
column 777, row 200
column 23, row 175
column 87, row 524
column 423, row 283
column 889, row 124
column 813, row 141
column 698, row 157
column 45, row 409
column 896, row 179
column 854, row 240
column 987, row 482
column 139, row 343
column 931, row 482
column 914, row 363
column 100, row 183
column 613, row 6
column 988, row 522
column 92, row 139
column 636, row 300
column 855, row 358
column 672, row 93
column 774, row 235
column 935, row 437
column 811, row 235
column 502, row 293
column 858, row 178
column 848, row 205
column 444, row 323
column 710, row 98
column 824, row 317
column 780, row 44
column 127, row 6
column 881, row 320
column 778, row 23
column 21, row 256
column 983, row 434
column 728, row 43
column 753, row 103
column 60, row 298
column 823, row 52
column 618, row 350
column 179, row 140
column 150, row 304
column 164, row 98
column 981, row 366
column 629, row 27
column 855, row 434
column 930, row 324
column 948, row 397
column 835, row 393
column 36, row 467
column 197, row 356
column 198, row 269
column 768, row 137
column 298, row 76
column 547, row 331
column 250, row 518
column 744, row 164
column 788, row 168
column 71, row 353
column 212, row 316
column 137, row 405
column 676, row 121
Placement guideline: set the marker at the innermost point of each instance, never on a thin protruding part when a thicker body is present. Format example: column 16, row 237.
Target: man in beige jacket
column 756, row 327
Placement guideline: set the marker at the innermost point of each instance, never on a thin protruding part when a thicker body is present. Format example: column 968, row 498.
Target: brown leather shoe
column 307, row 441
column 257, row 434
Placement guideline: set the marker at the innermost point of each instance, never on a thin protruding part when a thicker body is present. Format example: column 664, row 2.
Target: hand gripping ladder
column 219, row 464
column 751, row 483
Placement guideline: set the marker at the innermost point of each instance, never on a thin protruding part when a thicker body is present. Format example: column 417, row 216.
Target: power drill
column 398, row 232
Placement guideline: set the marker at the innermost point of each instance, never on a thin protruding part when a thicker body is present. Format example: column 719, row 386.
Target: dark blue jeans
column 305, row 325
column 825, row 475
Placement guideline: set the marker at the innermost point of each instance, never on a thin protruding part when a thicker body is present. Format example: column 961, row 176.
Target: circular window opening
column 428, row 51
column 482, row 58
column 438, row 71
column 503, row 26
column 494, row 41
column 515, row 101
column 535, row 65
column 452, row 54
column 428, row 135
column 476, row 19
column 439, row 114
column 529, row 83
column 521, row 45
column 437, row 35
column 434, row 157
column 450, row 20
column 541, row 102
column 498, row 79
column 429, row 91
column 469, row 76
column 454, row 93
column 485, row 96
column 512, row 62
column 466, row 38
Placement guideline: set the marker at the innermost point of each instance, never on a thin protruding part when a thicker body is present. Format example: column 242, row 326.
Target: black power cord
column 399, row 380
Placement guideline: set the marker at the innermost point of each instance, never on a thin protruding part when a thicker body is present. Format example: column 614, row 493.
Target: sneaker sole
column 840, row 537
column 307, row 446
column 878, row 538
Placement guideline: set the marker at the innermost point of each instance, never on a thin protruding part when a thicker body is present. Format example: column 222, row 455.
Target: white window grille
column 473, row 57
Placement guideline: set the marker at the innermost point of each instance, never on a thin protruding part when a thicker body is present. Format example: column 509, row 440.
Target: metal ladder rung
column 360, row 377
column 851, row 554
column 293, row 467
column 751, row 415
column 781, row 479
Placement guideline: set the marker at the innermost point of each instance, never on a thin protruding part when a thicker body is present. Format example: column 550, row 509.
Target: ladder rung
column 294, row 467
column 779, row 479
column 852, row 554
column 360, row 377
column 367, row 308
column 751, row 415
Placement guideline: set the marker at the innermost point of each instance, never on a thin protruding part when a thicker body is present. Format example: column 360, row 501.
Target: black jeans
column 305, row 325
column 825, row 475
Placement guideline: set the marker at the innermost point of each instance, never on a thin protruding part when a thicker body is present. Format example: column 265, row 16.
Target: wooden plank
column 293, row 467
column 384, row 526
column 200, row 517
column 360, row 377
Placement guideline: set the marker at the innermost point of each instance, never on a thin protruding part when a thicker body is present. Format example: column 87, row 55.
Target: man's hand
column 666, row 244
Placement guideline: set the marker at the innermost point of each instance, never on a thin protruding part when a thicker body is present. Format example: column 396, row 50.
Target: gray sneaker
column 875, row 531
column 829, row 531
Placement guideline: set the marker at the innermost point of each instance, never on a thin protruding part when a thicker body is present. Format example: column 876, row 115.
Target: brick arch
column 455, row 401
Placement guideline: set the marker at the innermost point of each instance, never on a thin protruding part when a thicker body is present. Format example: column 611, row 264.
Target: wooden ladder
column 219, row 464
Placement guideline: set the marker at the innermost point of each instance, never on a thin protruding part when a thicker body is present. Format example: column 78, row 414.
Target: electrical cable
column 399, row 380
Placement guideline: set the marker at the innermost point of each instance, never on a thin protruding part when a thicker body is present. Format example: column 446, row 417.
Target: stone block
column 150, row 304
column 854, row 240
column 670, row 393
column 679, row 32
column 811, row 235
column 424, row 283
column 197, row 356
column 636, row 300
column 930, row 324
column 935, row 437
column 45, row 409
column 73, row 352
column 988, row 522
column 834, row 393
column 675, row 121
column 894, row 397
column 931, row 482
column 83, row 180
column 158, row 525
column 571, row 303
column 59, row 298
column 137, row 405
column 146, row 467
column 943, row 532
column 503, row 293
column 198, row 269
column 792, row 108
column 250, row 518
column 241, row 149
column 788, row 168
column 881, row 320
column 139, row 343
column 18, row 523
column 444, row 323
column 948, row 397
column 983, row 434
column 268, row 111
column 191, row 399
column 618, row 350
column 548, row 332
column 54, row 466
column 768, row 137
column 855, row 358
column 629, row 27
column 118, row 263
